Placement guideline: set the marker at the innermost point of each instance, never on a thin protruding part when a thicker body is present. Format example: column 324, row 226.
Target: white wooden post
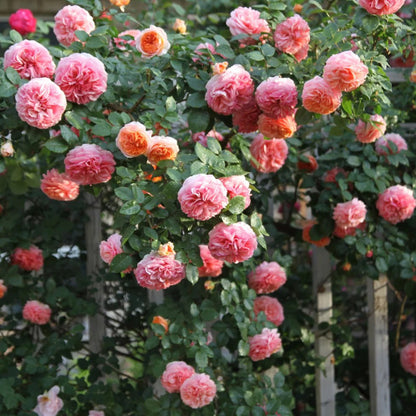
column 325, row 377
column 93, row 237
column 378, row 346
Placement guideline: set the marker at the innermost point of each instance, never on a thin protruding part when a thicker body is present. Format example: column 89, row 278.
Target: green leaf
column 354, row 161
column 268, row 50
column 255, row 56
column 198, row 120
column 347, row 106
column 56, row 145
column 196, row 83
column 121, row 262
column 203, row 153
column 201, row 359
column 74, row 119
column 170, row 104
column 381, row 265
column 303, row 116
column 237, row 205
column 13, row 76
column 192, row 273
column 15, row 36
column 124, row 193
column 68, row 135
column 130, row 208
column 226, row 51
column 102, row 128
column 81, row 35
column 196, row 100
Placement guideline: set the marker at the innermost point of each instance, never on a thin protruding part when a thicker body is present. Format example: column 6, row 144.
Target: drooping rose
column 247, row 117
column 277, row 128
column 179, row 26
column 237, row 185
column 121, row 43
column 3, row 289
column 152, row 41
column 383, row 144
column 381, row 7
column 7, row 149
column 324, row 241
column 408, row 358
column 110, row 248
column 310, row 166
column 162, row 148
column 271, row 307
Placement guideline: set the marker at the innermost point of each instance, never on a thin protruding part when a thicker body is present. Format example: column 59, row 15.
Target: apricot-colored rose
column 59, row 186
column 319, row 97
column 152, row 42
column 162, row 148
column 277, row 128
column 133, row 139
column 371, row 131
column 160, row 320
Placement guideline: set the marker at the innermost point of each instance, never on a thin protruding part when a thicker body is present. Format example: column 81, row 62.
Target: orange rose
column 277, row 128
column 152, row 42
column 133, row 139
column 179, row 26
column 162, row 148
column 297, row 8
column 120, row 3
column 306, row 236
column 3, row 289
column 159, row 320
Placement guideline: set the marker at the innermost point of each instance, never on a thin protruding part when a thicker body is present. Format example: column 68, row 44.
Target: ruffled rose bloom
column 371, row 131
column 202, row 138
column 277, row 128
column 310, row 166
column 408, row 358
column 198, row 391
column 30, row 259
column 133, row 139
column 121, row 43
column 265, row 344
column 233, row 243
column 383, row 144
column 40, row 103
column 267, row 278
column 158, row 272
column 36, row 312
column 293, row 36
column 202, row 197
column 70, row 19
column 30, row 59
column 110, row 248
column 23, row 21
column 269, row 154
column 3, row 289
column 7, row 149
column 342, row 232
column 49, row 404
column 162, row 148
column 230, row 91
column 59, row 186
column 324, row 241
column 381, row 7
column 96, row 413
column 175, row 374
column 271, row 307
column 344, row 71
column 277, row 97
column 82, row 77
column 237, row 185
column 152, row 41
column 247, row 21
column 318, row 96
column 396, row 204
column 349, row 214
column 89, row 164
column 212, row 267
column 246, row 118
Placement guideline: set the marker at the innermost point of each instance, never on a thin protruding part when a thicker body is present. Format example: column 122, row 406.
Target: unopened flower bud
column 179, row 26
column 7, row 149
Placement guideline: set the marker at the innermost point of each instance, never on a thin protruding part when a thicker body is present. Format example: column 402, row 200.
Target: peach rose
column 344, row 71
column 269, row 154
column 349, row 214
column 179, row 26
column 23, row 21
column 162, row 148
column 408, row 358
column 277, row 128
column 237, row 185
column 36, row 312
column 319, row 97
column 271, row 307
column 176, row 372
column 371, row 131
column 30, row 259
column 383, row 144
column 265, row 344
column 233, row 243
column 211, row 267
column 396, row 204
column 152, row 41
column 381, row 7
column 267, row 277
column 58, row 186
column 198, row 391
column 133, row 139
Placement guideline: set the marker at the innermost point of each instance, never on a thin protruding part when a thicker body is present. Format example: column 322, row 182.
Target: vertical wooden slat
column 378, row 346
column 325, row 378
column 93, row 237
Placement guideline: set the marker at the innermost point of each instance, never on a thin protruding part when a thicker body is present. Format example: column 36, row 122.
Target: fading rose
column 383, row 144
column 237, row 185
column 36, row 312
column 269, row 154
column 271, row 307
column 202, row 197
column 162, row 148
column 175, row 374
column 381, row 7
column 233, row 243
column 152, row 41
column 369, row 132
column 408, row 358
column 30, row 59
column 49, row 404
column 344, row 71
column 265, row 344
column 58, row 186
column 23, row 21
column 198, row 390
column 133, row 139
column 319, row 97
column 70, row 19
column 211, row 267
column 396, row 204
column 349, row 214
column 277, row 128
column 267, row 277
column 30, row 259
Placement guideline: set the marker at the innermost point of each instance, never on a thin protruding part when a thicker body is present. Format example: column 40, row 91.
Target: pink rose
column 158, row 272
column 58, row 186
column 121, row 43
column 230, row 91
column 30, row 259
column 247, row 21
column 349, row 214
column 68, row 20
column 237, row 185
column 396, row 204
column 277, row 97
column 162, row 148
column 212, row 267
column 30, row 59
column 408, row 358
column 269, row 154
column 152, row 41
column 202, row 138
column 23, row 21
column 267, row 277
column 198, row 390
column 381, row 7
column 40, row 103
column 89, row 164
column 49, row 404
column 247, row 117
column 371, row 131
column 293, row 36
column 82, row 77
column 319, row 97
column 265, row 344
column 344, row 71
column 271, row 307
column 277, row 128
column 175, row 374
column 110, row 248
column 233, row 243
column 36, row 312
column 383, row 146
column 202, row 197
